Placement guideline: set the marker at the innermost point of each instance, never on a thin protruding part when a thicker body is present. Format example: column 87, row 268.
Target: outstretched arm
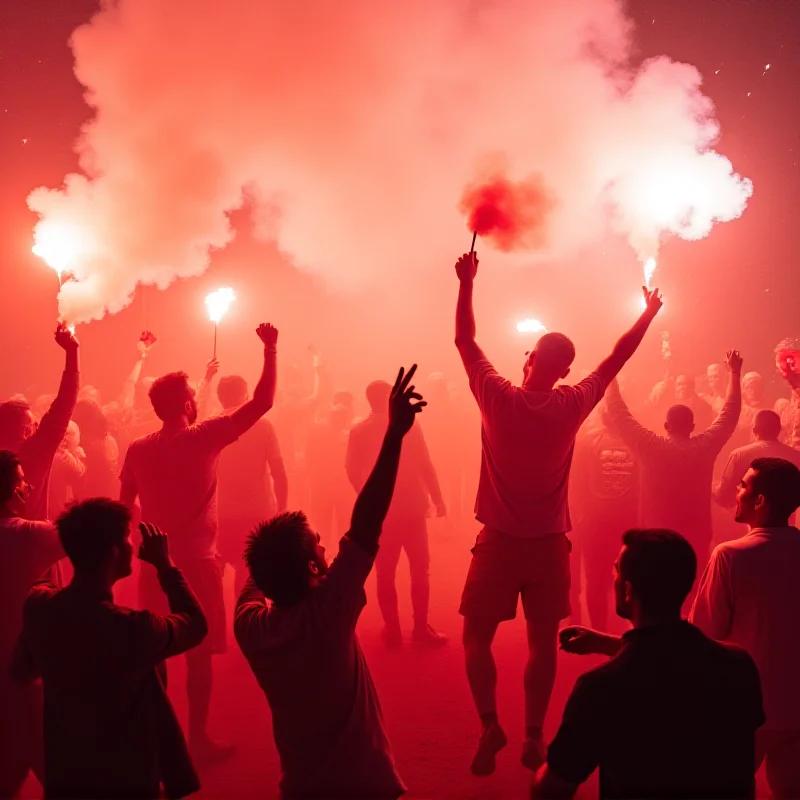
column 724, row 425
column 126, row 398
column 468, row 349
column 630, row 341
column 372, row 503
column 633, row 433
column 264, row 394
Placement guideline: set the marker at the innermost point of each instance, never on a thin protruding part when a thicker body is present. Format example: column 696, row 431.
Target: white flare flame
column 219, row 302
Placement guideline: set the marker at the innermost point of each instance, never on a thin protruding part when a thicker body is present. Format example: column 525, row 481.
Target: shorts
column 204, row 576
column 504, row 567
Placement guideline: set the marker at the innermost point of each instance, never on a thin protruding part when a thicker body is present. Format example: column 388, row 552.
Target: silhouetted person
column 673, row 714
column 677, row 469
column 682, row 391
column 748, row 596
column 101, row 477
column 69, row 468
column 766, row 432
column 528, row 436
column 35, row 442
column 27, row 550
column 606, row 491
column 173, row 472
column 296, row 624
column 330, row 493
column 109, row 728
column 406, row 523
column 787, row 361
column 252, row 483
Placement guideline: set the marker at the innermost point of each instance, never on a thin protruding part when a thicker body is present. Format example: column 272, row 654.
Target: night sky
column 739, row 286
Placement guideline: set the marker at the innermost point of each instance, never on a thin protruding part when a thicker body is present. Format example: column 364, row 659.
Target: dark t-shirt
column 673, row 715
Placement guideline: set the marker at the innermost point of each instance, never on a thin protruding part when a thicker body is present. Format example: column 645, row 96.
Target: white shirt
column 748, row 596
column 741, row 459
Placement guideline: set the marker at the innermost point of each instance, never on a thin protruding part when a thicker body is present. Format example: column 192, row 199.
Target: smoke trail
column 355, row 123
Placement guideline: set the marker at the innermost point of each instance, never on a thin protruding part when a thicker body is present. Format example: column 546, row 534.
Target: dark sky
column 741, row 285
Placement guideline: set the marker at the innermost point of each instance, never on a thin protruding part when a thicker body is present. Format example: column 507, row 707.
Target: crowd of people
column 694, row 698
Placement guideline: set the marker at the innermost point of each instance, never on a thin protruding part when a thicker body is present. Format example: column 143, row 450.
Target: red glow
column 513, row 216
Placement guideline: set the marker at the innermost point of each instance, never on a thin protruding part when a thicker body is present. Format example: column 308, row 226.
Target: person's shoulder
column 39, row 597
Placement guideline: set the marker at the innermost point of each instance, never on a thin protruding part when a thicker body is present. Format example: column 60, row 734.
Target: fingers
column 417, row 407
column 407, row 379
column 397, row 381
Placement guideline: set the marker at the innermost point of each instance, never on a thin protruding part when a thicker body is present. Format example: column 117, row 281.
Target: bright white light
column 218, row 303
column 531, row 326
column 649, row 268
column 58, row 244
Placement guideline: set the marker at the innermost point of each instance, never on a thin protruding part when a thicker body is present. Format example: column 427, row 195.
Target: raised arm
column 126, row 398
column 628, row 343
column 277, row 469
column 724, row 426
column 372, row 503
column 264, row 394
column 633, row 433
column 204, row 388
column 468, row 349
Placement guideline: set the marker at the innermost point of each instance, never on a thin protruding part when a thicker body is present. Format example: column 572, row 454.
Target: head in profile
column 654, row 573
column 232, row 392
column 285, row 558
column 549, row 361
column 173, row 399
column 17, row 423
column 680, row 422
column 769, row 493
column 14, row 489
column 95, row 535
column 378, row 397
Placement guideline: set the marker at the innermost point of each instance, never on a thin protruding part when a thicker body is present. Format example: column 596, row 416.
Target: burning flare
column 218, row 303
column 531, row 326
column 58, row 244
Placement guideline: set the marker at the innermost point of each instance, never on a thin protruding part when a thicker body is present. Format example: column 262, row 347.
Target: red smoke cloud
column 513, row 216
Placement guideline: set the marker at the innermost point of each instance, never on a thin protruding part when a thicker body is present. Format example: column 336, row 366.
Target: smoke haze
column 355, row 127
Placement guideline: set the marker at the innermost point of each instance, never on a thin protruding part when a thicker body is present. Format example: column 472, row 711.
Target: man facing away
column 252, row 479
column 302, row 646
column 528, row 436
column 36, row 443
column 766, row 432
column 405, row 527
column 748, row 596
column 677, row 469
column 27, row 550
column 673, row 714
column 109, row 728
column 173, row 472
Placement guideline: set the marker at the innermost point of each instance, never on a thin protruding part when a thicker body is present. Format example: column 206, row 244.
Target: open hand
column 734, row 361
column 268, row 334
column 65, row 338
column 212, row 368
column 467, row 266
column 155, row 546
column 401, row 408
column 652, row 300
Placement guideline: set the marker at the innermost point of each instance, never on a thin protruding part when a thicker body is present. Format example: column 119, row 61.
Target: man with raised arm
column 173, row 472
column 36, row 443
column 528, row 437
column 296, row 625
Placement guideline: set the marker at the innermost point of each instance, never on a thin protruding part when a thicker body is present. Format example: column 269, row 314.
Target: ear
column 628, row 592
column 566, row 373
column 761, row 501
column 693, row 426
column 313, row 569
column 666, row 427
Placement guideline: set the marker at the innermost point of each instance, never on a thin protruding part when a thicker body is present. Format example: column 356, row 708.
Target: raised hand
column 401, row 408
column 65, row 338
column 652, row 300
column 467, row 266
column 212, row 368
column 734, row 361
column 155, row 546
column 268, row 334
column 146, row 341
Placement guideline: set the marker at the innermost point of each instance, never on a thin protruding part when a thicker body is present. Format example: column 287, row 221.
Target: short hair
column 767, row 423
column 168, row 395
column 232, row 390
column 378, row 395
column 779, row 481
column 555, row 353
column 343, row 399
column 660, row 566
column 277, row 553
column 11, row 416
column 8, row 474
column 90, row 530
column 680, row 418
column 91, row 420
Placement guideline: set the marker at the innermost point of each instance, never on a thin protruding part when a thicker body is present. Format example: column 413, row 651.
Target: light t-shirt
column 326, row 716
column 748, row 596
column 175, row 477
column 528, row 439
column 741, row 459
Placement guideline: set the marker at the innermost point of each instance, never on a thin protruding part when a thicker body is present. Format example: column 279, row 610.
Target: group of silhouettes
column 682, row 709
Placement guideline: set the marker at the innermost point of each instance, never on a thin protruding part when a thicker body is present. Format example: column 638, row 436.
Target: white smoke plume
column 356, row 125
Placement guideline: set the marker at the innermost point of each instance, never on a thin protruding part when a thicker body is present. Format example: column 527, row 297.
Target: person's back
column 674, row 715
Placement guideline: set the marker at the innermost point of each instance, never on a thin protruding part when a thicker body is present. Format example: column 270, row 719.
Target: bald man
column 766, row 433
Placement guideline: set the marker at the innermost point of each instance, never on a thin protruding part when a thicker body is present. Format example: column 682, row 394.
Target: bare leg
column 540, row 671
column 199, row 682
